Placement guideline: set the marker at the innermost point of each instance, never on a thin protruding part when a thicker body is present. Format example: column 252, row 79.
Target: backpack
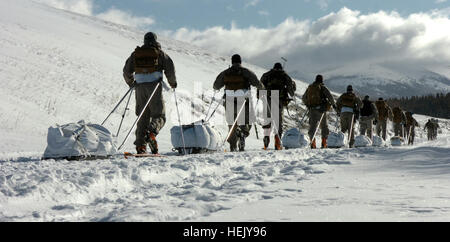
column 367, row 109
column 397, row 112
column 383, row 112
column 146, row 60
column 234, row 80
column 313, row 95
column 277, row 81
column 348, row 100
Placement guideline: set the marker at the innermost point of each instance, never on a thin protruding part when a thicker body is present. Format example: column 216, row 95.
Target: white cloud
column 114, row 15
column 120, row 17
column 263, row 13
column 441, row 1
column 339, row 38
column 252, row 3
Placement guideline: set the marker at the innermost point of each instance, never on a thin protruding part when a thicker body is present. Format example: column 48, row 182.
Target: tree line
column 435, row 105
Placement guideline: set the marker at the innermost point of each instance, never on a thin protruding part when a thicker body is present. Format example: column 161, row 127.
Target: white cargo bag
column 377, row 141
column 362, row 141
column 397, row 141
column 336, row 140
column 79, row 141
column 198, row 137
column 293, row 139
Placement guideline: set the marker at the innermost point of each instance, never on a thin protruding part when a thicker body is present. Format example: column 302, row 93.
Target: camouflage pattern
column 153, row 119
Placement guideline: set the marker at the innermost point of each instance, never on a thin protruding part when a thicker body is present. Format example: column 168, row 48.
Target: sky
column 312, row 34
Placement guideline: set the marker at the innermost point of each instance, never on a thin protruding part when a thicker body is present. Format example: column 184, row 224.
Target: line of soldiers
column 350, row 107
column 432, row 128
column 145, row 67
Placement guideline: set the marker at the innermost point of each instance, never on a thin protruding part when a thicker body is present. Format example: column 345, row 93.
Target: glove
column 133, row 84
column 173, row 85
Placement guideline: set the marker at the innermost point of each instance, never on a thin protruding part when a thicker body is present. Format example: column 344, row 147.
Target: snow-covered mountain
column 61, row 67
column 387, row 80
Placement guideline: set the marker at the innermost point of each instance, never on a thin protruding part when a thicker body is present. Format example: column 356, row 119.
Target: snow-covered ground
column 61, row 67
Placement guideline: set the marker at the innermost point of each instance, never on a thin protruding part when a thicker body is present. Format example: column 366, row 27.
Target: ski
column 128, row 154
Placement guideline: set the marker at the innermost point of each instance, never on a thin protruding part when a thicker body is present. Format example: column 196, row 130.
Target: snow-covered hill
column 60, row 67
column 387, row 80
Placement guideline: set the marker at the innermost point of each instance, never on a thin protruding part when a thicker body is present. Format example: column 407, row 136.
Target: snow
column 62, row 67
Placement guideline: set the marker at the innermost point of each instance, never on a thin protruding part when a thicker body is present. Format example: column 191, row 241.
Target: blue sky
column 202, row 14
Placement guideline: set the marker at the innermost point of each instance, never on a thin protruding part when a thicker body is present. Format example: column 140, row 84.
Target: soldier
column 384, row 112
column 319, row 100
column 399, row 120
column 277, row 79
column 429, row 126
column 368, row 114
column 410, row 127
column 237, row 81
column 436, row 127
column 144, row 70
column 348, row 107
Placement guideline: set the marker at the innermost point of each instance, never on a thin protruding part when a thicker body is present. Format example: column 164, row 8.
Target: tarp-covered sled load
column 336, row 140
column 293, row 139
column 362, row 141
column 199, row 137
column 397, row 141
column 80, row 140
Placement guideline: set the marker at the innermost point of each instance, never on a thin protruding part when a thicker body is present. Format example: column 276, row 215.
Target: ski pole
column 124, row 112
column 210, row 105
column 179, row 120
column 351, row 129
column 214, row 111
column 121, row 100
column 140, row 115
column 303, row 119
column 317, row 128
column 234, row 124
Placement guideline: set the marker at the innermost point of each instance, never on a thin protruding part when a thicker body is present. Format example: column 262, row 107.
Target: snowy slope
column 388, row 80
column 60, row 67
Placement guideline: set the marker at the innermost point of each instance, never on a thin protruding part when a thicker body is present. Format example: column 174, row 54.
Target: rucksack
column 348, row 100
column 278, row 81
column 397, row 112
column 146, row 60
column 234, row 80
column 383, row 111
column 313, row 95
column 367, row 109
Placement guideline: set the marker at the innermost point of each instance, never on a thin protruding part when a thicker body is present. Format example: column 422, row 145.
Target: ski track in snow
column 153, row 189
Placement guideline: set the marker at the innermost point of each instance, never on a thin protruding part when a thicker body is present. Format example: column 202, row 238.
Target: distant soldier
column 384, row 112
column 436, row 127
column 410, row 126
column 348, row 107
column 319, row 100
column 277, row 80
column 144, row 70
column 429, row 127
column 399, row 120
column 237, row 81
column 368, row 114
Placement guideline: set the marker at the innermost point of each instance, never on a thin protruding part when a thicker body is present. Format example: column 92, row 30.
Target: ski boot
column 313, row 144
column 242, row 143
column 266, row 141
column 324, row 143
column 277, row 143
column 141, row 149
column 151, row 140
